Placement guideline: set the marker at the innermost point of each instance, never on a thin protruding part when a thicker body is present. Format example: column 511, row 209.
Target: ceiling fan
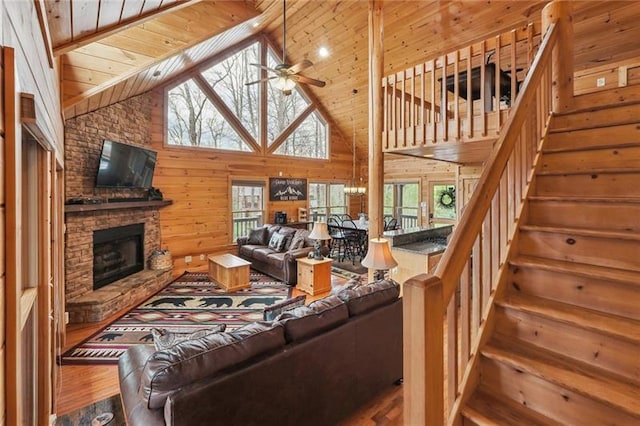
column 287, row 75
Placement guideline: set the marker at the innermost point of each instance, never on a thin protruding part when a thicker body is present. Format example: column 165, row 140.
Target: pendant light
column 354, row 189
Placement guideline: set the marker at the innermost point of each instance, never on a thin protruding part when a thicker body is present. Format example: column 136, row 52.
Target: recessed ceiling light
column 323, row 52
column 428, row 155
column 256, row 24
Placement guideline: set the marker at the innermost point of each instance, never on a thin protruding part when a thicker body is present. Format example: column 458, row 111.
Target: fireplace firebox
column 117, row 253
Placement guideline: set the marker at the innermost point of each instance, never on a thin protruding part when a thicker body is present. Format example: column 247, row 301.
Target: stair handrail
column 430, row 299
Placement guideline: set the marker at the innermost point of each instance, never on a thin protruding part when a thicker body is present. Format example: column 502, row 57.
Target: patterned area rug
column 189, row 303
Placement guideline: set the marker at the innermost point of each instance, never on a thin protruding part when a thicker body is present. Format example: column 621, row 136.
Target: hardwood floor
column 81, row 385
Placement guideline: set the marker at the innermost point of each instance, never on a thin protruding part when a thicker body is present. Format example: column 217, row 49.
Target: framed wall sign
column 287, row 189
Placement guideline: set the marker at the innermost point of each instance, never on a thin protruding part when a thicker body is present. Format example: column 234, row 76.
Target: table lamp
column 319, row 233
column 379, row 257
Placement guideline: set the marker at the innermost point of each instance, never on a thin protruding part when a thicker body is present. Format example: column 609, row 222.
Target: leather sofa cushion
column 262, row 254
column 166, row 371
column 308, row 321
column 364, row 298
column 276, row 259
column 247, row 250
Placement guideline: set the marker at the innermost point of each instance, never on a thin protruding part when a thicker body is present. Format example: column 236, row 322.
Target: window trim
column 250, row 180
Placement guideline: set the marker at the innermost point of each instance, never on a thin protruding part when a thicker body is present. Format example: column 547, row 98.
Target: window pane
column 408, row 209
column 228, row 79
column 388, row 199
column 192, row 120
column 318, row 201
column 444, row 202
column 247, row 203
column 308, row 140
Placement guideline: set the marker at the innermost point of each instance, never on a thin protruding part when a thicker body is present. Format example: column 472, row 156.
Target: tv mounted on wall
column 125, row 166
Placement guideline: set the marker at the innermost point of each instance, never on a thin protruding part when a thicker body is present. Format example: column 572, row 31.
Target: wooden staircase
column 565, row 346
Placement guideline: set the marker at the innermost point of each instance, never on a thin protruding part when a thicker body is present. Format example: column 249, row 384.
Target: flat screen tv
column 125, row 166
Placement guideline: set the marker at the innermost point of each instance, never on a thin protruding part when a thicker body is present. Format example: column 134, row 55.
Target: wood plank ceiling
column 112, row 50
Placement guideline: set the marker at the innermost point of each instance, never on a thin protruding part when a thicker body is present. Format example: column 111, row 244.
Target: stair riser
column 556, row 402
column 589, row 185
column 619, row 158
column 593, row 138
column 613, row 253
column 590, row 347
column 602, row 117
column 622, row 299
column 592, row 215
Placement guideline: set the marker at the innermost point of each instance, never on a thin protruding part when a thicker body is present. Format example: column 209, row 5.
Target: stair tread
column 580, row 269
column 583, row 232
column 564, row 372
column 619, row 327
column 561, row 149
column 484, row 408
column 608, row 170
column 605, row 200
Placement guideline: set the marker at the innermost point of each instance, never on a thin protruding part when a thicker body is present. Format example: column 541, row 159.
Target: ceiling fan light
column 285, row 84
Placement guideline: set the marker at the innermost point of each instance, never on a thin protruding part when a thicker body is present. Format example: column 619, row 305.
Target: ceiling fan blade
column 260, row 81
column 307, row 80
column 265, row 67
column 296, row 68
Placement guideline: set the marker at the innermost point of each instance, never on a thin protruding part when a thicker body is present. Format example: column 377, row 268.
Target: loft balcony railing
column 460, row 96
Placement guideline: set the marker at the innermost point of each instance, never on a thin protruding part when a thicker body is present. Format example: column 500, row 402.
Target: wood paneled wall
column 21, row 30
column 198, row 181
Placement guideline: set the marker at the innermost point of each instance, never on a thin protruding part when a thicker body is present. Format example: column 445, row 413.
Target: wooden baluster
column 394, row 117
column 465, row 319
column 432, row 114
column 497, row 85
column 469, row 130
column 486, row 257
column 452, row 351
column 483, row 93
column 444, row 108
column 423, row 95
column 456, row 95
column 476, row 289
column 514, row 68
column 403, row 109
column 412, row 109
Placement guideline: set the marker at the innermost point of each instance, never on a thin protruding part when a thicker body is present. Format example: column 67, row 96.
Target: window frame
column 249, row 181
column 397, row 196
column 329, row 207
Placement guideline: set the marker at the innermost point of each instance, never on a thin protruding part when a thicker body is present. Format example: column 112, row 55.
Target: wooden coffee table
column 231, row 272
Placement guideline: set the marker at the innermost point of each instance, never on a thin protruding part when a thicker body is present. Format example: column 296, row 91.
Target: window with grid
column 326, row 199
column 247, row 206
column 401, row 200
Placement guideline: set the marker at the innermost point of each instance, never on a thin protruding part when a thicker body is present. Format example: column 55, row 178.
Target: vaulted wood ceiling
column 112, row 50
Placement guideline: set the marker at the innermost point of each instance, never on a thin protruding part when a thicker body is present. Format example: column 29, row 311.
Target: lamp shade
column 319, row 232
column 379, row 255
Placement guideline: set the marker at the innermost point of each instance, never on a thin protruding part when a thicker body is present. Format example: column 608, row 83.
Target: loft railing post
column 559, row 12
column 423, row 357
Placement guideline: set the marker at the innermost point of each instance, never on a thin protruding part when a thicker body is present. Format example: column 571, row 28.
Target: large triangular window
column 192, row 120
column 217, row 109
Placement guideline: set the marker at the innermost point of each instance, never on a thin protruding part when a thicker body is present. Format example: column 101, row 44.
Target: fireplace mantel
column 75, row 208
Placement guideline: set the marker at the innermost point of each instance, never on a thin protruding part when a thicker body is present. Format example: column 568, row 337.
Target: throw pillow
column 298, row 240
column 275, row 240
column 257, row 236
column 271, row 312
column 163, row 338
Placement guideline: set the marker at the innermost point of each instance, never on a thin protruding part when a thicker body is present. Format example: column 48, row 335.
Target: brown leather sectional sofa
column 314, row 365
column 278, row 262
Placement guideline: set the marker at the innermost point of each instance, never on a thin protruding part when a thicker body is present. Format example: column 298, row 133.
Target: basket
column 160, row 261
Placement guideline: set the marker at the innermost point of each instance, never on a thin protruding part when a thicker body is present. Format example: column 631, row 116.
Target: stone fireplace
column 117, row 277
column 117, row 253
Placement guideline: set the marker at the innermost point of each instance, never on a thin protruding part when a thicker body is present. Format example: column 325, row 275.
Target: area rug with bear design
column 192, row 302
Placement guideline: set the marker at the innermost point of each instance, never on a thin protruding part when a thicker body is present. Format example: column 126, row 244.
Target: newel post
column 423, row 351
column 559, row 12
